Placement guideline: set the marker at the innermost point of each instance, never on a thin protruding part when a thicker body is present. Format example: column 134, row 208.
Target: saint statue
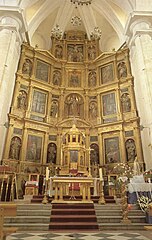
column 15, row 148
column 22, row 100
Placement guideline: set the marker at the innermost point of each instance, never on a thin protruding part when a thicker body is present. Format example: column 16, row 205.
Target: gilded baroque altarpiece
column 76, row 83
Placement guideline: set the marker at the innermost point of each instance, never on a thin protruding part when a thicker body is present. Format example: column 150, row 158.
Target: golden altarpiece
column 73, row 84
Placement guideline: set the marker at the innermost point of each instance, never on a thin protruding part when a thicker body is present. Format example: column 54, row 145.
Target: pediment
column 70, row 121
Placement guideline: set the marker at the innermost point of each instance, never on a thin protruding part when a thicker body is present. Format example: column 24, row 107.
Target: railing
column 8, row 184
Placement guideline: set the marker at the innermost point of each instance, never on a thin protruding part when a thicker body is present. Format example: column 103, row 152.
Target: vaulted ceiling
column 110, row 16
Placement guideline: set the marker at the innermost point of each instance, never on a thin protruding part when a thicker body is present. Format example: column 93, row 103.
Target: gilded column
column 98, row 109
column 87, row 147
column 123, row 149
column 101, row 158
column 59, row 135
column 119, row 114
column 86, row 106
column 61, row 105
column 8, row 139
column 29, row 101
column 33, row 67
column 15, row 94
column 115, row 69
column 24, row 144
column 128, row 63
column 48, row 107
column 46, row 140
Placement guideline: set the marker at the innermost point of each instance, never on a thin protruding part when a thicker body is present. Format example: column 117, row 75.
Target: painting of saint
column 112, row 154
column 38, row 103
column 34, row 145
column 107, row 74
column 109, row 104
column 42, row 71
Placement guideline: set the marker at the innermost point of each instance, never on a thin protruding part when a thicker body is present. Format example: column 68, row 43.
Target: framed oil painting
column 109, row 104
column 34, row 148
column 112, row 152
column 107, row 74
column 39, row 102
column 42, row 70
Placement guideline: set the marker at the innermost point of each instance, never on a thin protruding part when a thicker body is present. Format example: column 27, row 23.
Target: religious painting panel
column 39, row 102
column 74, row 79
column 107, row 74
column 75, row 53
column 42, row 70
column 74, row 105
column 109, row 104
column 34, row 148
column 112, row 152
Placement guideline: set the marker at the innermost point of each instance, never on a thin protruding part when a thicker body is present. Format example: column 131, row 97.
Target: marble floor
column 125, row 235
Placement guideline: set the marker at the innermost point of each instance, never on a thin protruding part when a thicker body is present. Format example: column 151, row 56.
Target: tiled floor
column 82, row 236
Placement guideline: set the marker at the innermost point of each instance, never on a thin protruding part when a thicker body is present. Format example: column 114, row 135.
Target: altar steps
column 109, row 217
column 73, row 217
column 37, row 217
column 95, row 199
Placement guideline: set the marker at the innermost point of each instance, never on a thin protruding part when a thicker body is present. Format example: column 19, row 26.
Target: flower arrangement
column 144, row 202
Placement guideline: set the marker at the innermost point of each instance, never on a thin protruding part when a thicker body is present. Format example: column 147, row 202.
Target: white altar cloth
column 139, row 187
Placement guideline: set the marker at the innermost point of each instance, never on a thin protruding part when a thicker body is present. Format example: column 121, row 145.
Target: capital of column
column 138, row 24
column 13, row 21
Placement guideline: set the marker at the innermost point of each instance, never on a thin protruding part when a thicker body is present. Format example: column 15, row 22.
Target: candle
column 47, row 173
column 100, row 174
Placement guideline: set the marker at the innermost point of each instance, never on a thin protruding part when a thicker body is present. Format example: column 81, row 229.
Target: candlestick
column 100, row 174
column 47, row 173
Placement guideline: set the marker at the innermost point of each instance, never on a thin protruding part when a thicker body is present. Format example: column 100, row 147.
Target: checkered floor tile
column 76, row 236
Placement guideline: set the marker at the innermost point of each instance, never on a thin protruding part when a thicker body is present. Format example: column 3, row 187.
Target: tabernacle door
column 73, row 159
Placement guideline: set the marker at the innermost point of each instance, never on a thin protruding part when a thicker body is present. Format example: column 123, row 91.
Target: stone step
column 34, row 212
column 27, row 219
column 118, row 212
column 115, row 207
column 36, row 217
column 117, row 219
column 107, row 207
column 34, row 206
column 73, row 225
column 29, row 226
column 73, row 218
column 73, row 211
column 119, row 226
